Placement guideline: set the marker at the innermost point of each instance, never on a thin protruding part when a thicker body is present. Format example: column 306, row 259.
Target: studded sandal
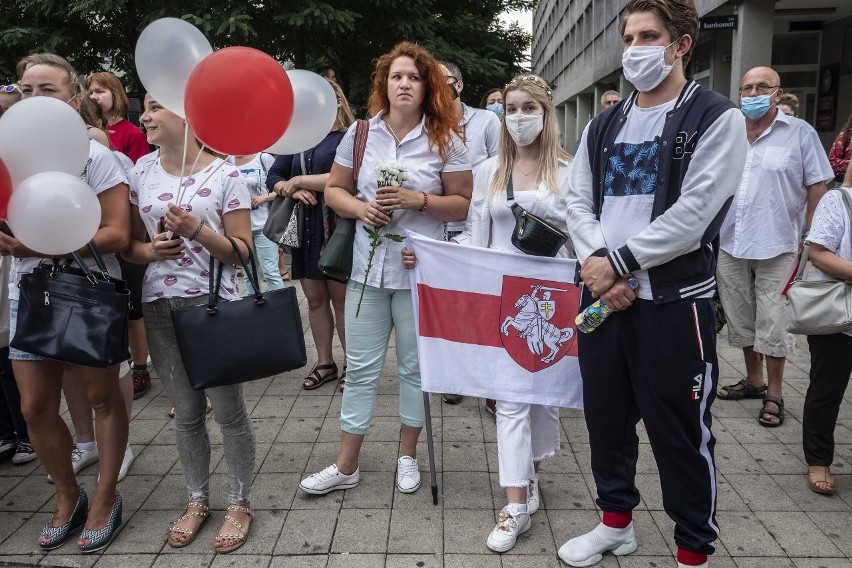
column 201, row 511
column 239, row 536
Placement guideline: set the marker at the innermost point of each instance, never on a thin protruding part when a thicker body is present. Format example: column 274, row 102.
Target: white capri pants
column 526, row 433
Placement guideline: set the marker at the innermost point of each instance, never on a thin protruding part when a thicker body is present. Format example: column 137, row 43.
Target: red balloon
column 238, row 101
column 5, row 189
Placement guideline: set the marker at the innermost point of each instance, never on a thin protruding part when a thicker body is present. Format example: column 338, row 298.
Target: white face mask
column 524, row 128
column 645, row 65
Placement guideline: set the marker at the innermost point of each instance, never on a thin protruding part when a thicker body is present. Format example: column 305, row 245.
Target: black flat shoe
column 58, row 535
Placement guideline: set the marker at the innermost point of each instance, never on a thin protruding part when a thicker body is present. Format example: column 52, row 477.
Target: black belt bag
column 532, row 234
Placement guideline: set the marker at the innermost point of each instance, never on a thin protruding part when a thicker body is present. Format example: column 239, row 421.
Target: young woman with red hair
column 415, row 126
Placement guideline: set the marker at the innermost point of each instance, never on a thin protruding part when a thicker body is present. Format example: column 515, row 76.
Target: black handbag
column 532, row 234
column 73, row 314
column 336, row 258
column 226, row 343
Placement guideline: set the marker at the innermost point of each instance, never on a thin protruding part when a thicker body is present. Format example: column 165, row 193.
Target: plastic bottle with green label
column 593, row 316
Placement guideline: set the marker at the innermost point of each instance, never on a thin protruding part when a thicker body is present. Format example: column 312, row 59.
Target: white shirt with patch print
column 631, row 180
column 255, row 173
column 102, row 172
column 210, row 194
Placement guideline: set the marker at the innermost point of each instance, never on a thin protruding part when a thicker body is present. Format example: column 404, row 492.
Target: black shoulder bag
column 73, row 314
column 225, row 343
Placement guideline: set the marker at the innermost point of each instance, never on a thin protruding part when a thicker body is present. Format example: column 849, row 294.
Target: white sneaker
column 407, row 475
column 533, row 498
column 24, row 454
column 588, row 549
column 509, row 526
column 125, row 463
column 329, row 479
column 80, row 459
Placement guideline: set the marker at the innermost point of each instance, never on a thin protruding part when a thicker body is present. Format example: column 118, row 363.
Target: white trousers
column 526, row 433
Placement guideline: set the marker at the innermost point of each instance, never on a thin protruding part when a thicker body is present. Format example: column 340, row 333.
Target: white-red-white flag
column 496, row 324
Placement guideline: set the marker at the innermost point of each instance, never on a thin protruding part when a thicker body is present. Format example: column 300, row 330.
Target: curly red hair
column 441, row 122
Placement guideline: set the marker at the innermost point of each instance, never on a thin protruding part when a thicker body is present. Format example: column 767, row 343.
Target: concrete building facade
column 577, row 48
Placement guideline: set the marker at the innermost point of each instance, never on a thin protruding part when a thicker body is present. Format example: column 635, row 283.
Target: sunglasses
column 9, row 88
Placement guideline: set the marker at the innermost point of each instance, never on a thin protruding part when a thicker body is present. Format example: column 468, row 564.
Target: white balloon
column 166, row 53
column 42, row 134
column 314, row 111
column 54, row 213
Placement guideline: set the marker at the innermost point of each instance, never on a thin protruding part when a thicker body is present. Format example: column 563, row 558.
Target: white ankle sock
column 517, row 509
column 86, row 446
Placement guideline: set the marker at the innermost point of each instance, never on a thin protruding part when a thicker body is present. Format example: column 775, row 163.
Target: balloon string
column 201, row 185
column 183, row 160
column 182, row 188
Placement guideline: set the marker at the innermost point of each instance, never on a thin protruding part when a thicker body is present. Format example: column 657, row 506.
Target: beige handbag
column 820, row 307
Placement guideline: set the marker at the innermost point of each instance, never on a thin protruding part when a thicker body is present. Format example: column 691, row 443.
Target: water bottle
column 589, row 319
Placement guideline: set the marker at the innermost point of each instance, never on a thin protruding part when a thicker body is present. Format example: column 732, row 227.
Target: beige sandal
column 821, row 474
column 239, row 536
column 201, row 510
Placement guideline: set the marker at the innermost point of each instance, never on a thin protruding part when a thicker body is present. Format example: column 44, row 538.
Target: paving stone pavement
column 767, row 515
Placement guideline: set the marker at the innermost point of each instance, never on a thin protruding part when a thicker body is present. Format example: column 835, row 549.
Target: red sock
column 617, row 520
column 689, row 558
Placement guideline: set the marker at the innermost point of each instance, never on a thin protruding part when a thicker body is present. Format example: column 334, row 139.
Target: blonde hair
column 52, row 60
column 344, row 112
column 551, row 153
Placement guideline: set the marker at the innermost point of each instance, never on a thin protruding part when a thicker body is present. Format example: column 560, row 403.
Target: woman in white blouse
column 413, row 125
column 532, row 161
column 830, row 240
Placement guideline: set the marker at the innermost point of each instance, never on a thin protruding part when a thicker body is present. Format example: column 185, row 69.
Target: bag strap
column 213, row 296
column 362, row 130
column 84, row 266
column 847, row 201
column 302, row 160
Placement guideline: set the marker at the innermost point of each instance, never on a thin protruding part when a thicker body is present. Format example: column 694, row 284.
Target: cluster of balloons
column 237, row 100
column 44, row 149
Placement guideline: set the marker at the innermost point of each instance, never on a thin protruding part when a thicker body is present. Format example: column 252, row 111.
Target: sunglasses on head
column 9, row 88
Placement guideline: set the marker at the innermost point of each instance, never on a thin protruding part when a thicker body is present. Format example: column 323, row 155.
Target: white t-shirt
column 768, row 210
column 832, row 229
column 503, row 220
column 255, row 173
column 211, row 193
column 102, row 172
column 631, row 180
column 425, row 167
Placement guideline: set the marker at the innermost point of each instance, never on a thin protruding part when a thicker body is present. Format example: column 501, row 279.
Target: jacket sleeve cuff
column 622, row 261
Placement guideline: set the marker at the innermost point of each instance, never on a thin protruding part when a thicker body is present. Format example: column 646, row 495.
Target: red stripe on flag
column 463, row 317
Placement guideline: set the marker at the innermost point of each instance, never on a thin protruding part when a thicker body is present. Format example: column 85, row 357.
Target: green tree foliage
column 345, row 34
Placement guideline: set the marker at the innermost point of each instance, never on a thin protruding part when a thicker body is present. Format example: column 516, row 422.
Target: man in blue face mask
column 783, row 179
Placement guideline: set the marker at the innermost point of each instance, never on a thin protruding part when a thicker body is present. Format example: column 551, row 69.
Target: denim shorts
column 17, row 354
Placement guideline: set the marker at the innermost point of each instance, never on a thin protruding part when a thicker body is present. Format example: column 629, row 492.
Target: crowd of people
column 670, row 191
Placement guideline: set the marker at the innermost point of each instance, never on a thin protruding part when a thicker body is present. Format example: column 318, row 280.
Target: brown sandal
column 821, row 474
column 315, row 380
column 201, row 510
column 239, row 536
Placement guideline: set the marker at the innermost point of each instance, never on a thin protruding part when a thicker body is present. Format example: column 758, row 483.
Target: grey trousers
column 229, row 411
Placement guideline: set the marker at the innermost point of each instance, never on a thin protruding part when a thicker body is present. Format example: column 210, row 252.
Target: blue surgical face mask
column 496, row 108
column 756, row 107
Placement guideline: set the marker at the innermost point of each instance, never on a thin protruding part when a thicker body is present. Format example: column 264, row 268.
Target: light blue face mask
column 756, row 107
column 496, row 108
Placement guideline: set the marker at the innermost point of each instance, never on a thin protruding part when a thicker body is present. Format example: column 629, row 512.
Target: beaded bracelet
column 425, row 202
column 197, row 231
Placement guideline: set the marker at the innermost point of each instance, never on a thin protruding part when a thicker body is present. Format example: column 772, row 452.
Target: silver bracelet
column 197, row 231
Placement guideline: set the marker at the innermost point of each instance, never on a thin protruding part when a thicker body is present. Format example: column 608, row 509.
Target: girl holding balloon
column 190, row 201
column 39, row 379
